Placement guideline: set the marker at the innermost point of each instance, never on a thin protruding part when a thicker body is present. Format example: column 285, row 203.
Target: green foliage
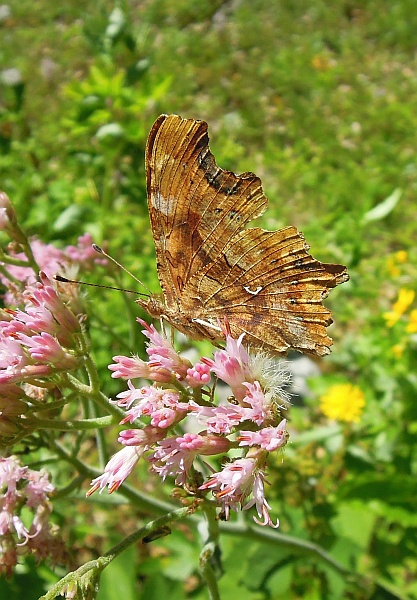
column 317, row 99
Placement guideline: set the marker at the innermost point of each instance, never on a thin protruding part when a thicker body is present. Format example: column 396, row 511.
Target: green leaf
column 119, row 579
column 399, row 490
column 111, row 130
column 381, row 210
column 319, row 434
column 72, row 214
column 117, row 21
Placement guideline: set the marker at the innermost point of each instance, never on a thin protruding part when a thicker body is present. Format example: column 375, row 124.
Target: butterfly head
column 153, row 305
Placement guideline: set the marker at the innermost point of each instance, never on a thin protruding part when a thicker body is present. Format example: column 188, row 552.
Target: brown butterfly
column 264, row 282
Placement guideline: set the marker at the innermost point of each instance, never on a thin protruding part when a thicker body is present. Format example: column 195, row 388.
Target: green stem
column 78, row 425
column 143, row 502
column 299, row 546
column 38, row 406
column 28, row 251
column 207, row 571
column 75, row 484
column 100, row 438
column 92, row 374
column 97, row 396
column 88, row 574
column 210, row 565
column 6, row 274
column 16, row 262
column 20, row 236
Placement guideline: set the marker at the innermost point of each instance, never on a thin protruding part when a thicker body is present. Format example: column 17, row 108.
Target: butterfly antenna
column 106, row 287
column 101, row 251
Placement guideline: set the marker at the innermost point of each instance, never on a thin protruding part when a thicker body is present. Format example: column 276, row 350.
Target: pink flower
column 222, row 419
column 12, row 356
column 84, row 252
column 175, row 456
column 134, row 367
column 232, row 366
column 259, row 402
column 239, row 485
column 44, row 312
column 269, row 438
column 47, row 543
column 49, row 259
column 117, row 469
column 145, row 437
column 198, row 375
column 43, row 297
column 162, row 354
column 21, row 487
column 38, row 487
column 37, row 340
column 44, row 348
column 15, row 363
column 11, row 472
column 26, row 373
column 235, row 483
column 122, row 463
column 162, row 406
column 219, row 419
column 133, row 394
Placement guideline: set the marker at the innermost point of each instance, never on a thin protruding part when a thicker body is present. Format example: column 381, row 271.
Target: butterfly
column 211, row 268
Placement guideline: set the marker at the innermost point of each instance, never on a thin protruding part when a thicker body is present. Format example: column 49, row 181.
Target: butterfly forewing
column 195, row 207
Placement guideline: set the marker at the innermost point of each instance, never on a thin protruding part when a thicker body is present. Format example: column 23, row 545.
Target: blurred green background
column 318, row 99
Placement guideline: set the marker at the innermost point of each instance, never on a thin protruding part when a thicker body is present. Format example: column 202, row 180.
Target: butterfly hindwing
column 271, row 289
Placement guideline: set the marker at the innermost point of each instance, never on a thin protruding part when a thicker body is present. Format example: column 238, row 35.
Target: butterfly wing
column 270, row 288
column 266, row 283
column 195, row 207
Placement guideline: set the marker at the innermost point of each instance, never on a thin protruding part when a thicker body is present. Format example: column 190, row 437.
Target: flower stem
column 78, row 425
column 210, row 562
column 89, row 573
column 97, row 396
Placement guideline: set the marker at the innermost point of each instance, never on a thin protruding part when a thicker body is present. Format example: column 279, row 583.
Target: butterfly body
column 210, row 267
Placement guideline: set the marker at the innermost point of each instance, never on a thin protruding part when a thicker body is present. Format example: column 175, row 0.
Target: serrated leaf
column 381, row 210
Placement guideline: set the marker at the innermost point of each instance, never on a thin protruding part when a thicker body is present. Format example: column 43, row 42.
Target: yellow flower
column 405, row 298
column 343, row 402
column 399, row 257
column 412, row 324
column 398, row 350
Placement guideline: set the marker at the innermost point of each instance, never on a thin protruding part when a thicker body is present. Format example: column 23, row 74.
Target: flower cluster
column 35, row 343
column 180, row 396
column 40, row 334
column 25, row 258
column 25, row 491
